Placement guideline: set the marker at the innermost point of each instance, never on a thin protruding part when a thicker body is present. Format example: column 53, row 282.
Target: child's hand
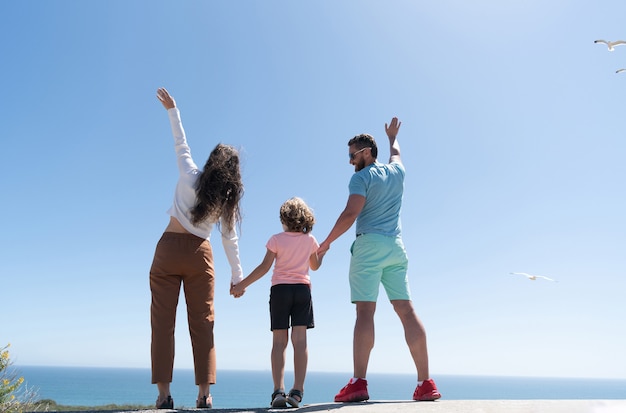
column 237, row 290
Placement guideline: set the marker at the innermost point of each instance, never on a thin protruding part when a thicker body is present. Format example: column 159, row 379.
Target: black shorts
column 291, row 301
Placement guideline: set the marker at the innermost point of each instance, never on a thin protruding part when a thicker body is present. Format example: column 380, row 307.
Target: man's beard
column 359, row 165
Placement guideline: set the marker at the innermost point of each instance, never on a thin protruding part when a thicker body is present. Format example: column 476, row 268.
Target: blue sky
column 512, row 136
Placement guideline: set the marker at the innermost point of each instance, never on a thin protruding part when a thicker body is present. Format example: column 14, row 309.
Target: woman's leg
column 199, row 287
column 165, row 289
column 164, row 391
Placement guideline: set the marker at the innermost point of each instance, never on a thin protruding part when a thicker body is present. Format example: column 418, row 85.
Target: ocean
column 86, row 386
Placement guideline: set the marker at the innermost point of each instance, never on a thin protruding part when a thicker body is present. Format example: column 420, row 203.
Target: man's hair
column 297, row 216
column 364, row 140
column 219, row 188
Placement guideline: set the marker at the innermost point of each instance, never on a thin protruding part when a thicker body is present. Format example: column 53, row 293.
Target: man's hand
column 323, row 249
column 394, row 147
column 393, row 128
column 165, row 98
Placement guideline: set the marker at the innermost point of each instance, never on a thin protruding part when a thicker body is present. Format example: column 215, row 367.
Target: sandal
column 294, row 398
column 206, row 402
column 165, row 404
column 278, row 398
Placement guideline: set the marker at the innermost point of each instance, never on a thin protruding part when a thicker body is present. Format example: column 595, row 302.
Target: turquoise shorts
column 378, row 259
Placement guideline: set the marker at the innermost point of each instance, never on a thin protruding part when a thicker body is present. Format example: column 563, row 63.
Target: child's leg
column 279, row 347
column 300, row 356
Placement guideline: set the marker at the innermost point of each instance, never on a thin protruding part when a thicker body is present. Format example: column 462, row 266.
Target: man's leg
column 356, row 390
column 415, row 336
column 363, row 337
column 365, row 275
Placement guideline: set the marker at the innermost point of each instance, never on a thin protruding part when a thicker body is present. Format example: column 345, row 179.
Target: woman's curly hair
column 219, row 188
column 297, row 216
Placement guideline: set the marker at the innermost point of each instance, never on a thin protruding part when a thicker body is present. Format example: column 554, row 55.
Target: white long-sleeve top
column 185, row 198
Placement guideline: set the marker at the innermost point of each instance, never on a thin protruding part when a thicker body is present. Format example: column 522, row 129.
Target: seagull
column 620, row 70
column 533, row 277
column 611, row 45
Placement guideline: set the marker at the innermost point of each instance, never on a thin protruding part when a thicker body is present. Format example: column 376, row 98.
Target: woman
column 184, row 256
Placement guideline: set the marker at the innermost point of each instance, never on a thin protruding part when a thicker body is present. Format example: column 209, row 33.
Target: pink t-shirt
column 292, row 250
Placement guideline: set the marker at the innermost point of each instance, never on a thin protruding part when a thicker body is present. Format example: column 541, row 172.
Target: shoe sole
column 204, row 406
column 279, row 402
column 205, row 403
column 355, row 397
column 428, row 398
column 167, row 404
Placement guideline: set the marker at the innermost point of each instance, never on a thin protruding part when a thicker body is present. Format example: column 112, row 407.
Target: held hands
column 393, row 128
column 323, row 249
column 237, row 290
column 165, row 98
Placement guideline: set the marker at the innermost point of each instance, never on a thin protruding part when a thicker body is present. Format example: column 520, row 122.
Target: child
column 295, row 251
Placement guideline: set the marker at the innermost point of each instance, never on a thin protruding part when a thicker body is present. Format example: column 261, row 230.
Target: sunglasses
column 353, row 154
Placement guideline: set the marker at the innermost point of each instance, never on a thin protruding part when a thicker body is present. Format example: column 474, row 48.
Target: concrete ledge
column 439, row 406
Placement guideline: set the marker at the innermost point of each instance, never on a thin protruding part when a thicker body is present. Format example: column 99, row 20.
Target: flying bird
column 533, row 277
column 611, row 45
column 620, row 70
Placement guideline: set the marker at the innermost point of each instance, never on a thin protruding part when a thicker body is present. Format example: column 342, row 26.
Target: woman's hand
column 237, row 290
column 165, row 98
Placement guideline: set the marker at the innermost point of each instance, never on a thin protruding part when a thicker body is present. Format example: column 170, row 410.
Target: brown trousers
column 186, row 259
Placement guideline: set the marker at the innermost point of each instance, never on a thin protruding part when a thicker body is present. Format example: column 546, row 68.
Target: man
column 378, row 256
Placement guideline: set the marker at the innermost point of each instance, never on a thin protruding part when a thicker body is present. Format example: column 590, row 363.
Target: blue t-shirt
column 382, row 185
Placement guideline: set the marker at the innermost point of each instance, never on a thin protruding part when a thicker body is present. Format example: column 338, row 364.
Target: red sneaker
column 353, row 392
column 426, row 392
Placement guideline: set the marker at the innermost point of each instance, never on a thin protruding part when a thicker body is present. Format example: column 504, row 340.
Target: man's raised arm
column 394, row 147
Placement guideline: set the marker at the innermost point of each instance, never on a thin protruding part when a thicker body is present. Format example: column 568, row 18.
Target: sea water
column 86, row 386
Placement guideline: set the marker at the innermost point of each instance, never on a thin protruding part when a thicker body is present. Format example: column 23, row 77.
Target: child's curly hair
column 297, row 216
